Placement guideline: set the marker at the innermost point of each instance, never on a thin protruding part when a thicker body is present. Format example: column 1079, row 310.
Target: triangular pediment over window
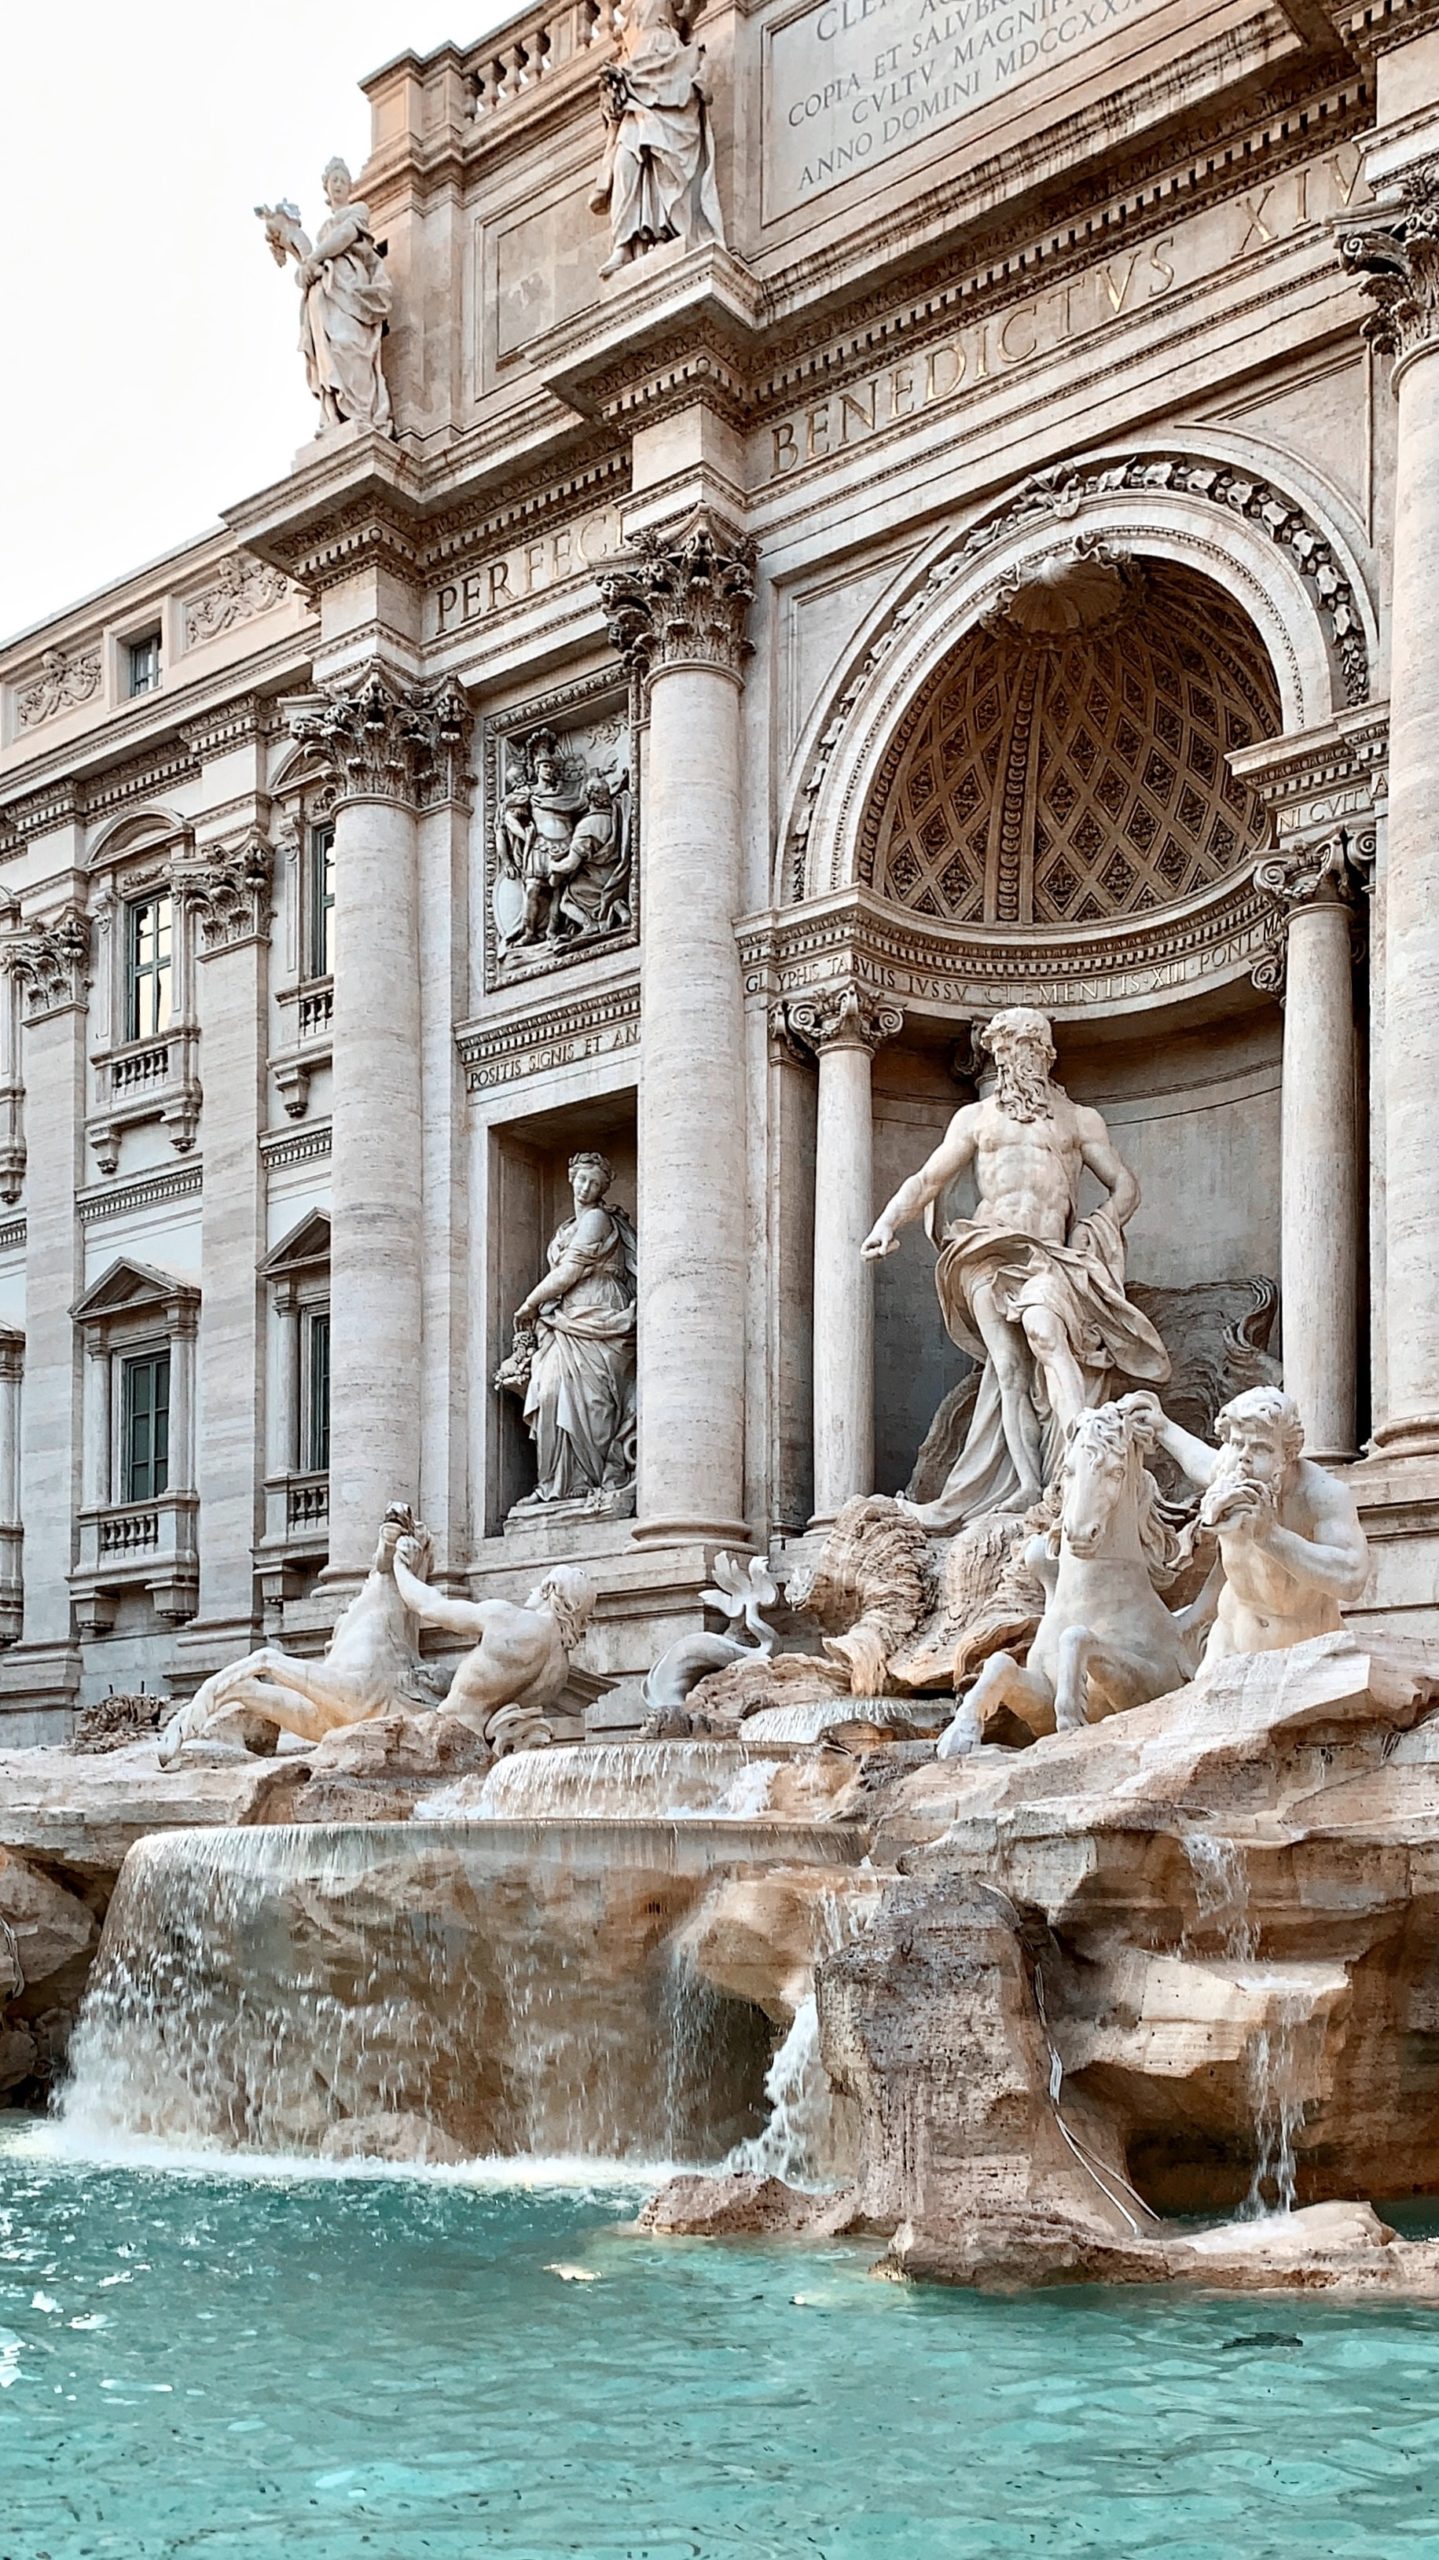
column 305, row 1247
column 129, row 1288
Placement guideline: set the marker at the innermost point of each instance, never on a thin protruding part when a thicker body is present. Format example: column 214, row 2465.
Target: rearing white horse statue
column 371, row 1664
column 1106, row 1640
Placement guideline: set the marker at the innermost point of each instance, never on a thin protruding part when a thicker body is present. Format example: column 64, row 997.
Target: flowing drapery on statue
column 1026, row 1286
column 657, row 179
column 574, row 1353
column 346, row 303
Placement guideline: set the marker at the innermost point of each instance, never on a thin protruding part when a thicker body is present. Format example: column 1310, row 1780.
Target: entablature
column 953, row 974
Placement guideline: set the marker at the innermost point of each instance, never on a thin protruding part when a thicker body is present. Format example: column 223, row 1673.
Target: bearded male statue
column 1026, row 1286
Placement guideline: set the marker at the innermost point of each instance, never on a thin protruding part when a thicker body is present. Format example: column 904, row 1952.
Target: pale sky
column 148, row 354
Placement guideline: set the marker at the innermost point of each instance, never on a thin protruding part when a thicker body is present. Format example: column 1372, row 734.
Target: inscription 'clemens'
column 856, row 81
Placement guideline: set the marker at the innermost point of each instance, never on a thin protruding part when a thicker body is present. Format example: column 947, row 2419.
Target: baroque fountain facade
column 753, row 970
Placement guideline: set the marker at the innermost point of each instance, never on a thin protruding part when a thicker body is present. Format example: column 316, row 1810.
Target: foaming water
column 631, row 1781
column 476, row 1991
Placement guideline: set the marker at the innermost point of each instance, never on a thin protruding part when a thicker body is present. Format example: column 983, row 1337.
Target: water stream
column 1221, row 1893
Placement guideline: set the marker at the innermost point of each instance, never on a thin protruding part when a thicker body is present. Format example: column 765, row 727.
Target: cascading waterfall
column 480, row 1988
column 1221, row 1893
column 810, row 2138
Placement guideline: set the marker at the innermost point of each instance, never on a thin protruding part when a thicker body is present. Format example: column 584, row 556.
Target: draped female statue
column 574, row 1353
column 657, row 180
column 346, row 302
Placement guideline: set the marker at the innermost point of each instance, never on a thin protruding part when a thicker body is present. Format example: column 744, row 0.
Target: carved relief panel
column 561, row 832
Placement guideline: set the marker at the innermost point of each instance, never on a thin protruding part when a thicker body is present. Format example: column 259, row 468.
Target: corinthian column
column 677, row 607
column 394, row 751
column 843, row 1028
column 1316, row 890
column 1395, row 255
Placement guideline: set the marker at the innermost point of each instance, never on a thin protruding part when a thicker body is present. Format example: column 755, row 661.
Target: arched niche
column 1196, row 606
column 1066, row 762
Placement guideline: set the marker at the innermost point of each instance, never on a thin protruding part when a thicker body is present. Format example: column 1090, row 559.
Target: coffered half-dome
column 1066, row 763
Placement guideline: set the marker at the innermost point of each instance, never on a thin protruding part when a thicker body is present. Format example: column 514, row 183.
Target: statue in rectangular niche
column 573, row 1359
column 563, row 843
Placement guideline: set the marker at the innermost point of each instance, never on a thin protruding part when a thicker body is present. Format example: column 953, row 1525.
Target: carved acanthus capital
column 51, row 962
column 1336, row 871
column 386, row 742
column 229, row 889
column 1395, row 257
column 1332, row 871
column 681, row 597
column 842, row 1018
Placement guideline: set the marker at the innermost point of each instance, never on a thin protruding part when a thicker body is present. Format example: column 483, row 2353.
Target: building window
column 149, row 940
column 142, row 659
column 315, row 1393
column 320, row 903
column 145, row 1426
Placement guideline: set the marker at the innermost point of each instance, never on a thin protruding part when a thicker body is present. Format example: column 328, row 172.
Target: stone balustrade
column 497, row 75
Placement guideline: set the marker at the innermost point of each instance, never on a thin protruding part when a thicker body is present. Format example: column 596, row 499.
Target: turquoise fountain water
column 317, row 2368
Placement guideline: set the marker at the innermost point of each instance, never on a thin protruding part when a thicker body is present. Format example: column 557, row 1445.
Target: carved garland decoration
column 1057, row 495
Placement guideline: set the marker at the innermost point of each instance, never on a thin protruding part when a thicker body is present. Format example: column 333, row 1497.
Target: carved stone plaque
column 852, row 83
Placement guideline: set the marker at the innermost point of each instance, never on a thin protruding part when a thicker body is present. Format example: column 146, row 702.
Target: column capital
column 681, row 595
column 408, row 744
column 841, row 1018
column 1394, row 256
column 229, row 888
column 1331, row 871
column 51, row 962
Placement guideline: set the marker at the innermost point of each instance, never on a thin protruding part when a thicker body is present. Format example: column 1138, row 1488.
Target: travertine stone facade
column 974, row 549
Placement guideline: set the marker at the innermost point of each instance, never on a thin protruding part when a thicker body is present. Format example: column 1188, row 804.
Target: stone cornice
column 671, row 330
column 567, row 1032
column 1371, row 27
column 147, row 1191
column 1331, row 776
column 283, row 1147
column 793, row 953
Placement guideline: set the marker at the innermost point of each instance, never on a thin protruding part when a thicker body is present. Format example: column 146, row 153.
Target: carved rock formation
column 1226, row 1912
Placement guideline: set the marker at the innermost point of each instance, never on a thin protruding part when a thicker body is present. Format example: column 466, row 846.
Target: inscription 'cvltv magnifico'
column 854, row 82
